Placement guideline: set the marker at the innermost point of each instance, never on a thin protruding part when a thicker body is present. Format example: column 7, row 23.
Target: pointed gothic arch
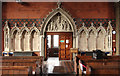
column 65, row 17
column 101, row 33
column 102, row 29
column 83, row 40
column 34, row 38
column 34, row 28
column 25, row 38
column 83, row 34
column 92, row 38
column 64, row 14
column 14, row 38
column 14, row 29
column 83, row 28
column 93, row 29
column 24, row 29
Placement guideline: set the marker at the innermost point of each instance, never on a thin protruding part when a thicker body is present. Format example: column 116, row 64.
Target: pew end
column 88, row 70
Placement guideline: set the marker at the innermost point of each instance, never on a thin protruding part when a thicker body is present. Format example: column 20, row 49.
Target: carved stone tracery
column 19, row 39
column 59, row 24
column 95, row 38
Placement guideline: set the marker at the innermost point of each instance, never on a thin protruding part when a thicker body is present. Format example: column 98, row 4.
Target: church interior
column 60, row 38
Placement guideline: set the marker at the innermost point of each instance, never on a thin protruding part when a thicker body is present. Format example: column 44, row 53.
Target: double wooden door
column 65, row 43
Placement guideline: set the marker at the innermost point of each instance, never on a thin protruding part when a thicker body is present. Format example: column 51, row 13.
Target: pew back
column 16, row 70
column 33, row 61
column 100, row 66
column 106, row 70
column 19, row 62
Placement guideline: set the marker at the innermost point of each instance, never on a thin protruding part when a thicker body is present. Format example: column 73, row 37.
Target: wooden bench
column 104, row 57
column 21, row 62
column 89, row 62
column 22, row 57
column 105, row 70
column 84, row 57
column 16, row 70
column 39, row 58
column 101, row 70
column 33, row 61
column 103, row 62
column 81, row 58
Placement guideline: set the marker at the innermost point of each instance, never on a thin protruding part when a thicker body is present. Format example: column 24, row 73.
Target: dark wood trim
column 57, row 33
column 45, row 48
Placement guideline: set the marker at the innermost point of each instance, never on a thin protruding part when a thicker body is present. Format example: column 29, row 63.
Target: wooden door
column 65, row 43
column 62, row 47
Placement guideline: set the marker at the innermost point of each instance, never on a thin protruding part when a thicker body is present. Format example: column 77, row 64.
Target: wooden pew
column 84, row 57
column 76, row 67
column 103, row 62
column 22, row 57
column 100, row 70
column 38, row 58
column 34, row 61
column 93, row 62
column 16, row 70
column 105, row 70
column 113, row 57
column 104, row 57
column 89, row 60
column 20, row 62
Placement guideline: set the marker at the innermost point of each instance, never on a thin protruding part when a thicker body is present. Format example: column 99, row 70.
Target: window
column 53, row 41
column 56, row 41
column 49, row 41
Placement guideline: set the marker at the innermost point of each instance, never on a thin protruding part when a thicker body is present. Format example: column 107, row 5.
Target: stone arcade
column 32, row 39
column 54, row 38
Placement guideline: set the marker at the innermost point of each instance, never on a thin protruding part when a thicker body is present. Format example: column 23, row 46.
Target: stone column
column 19, row 43
column 74, row 41
column 74, row 45
column 117, row 12
column 28, row 42
column 77, row 41
column 39, row 42
column 106, row 43
column 42, row 45
column 12, row 44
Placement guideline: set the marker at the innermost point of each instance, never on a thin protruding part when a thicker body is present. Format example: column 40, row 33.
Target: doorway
column 58, row 45
column 53, row 45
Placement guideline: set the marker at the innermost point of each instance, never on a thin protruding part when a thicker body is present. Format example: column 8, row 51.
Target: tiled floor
column 55, row 66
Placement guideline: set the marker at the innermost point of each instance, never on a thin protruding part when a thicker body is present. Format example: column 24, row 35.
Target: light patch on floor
column 51, row 62
column 55, row 66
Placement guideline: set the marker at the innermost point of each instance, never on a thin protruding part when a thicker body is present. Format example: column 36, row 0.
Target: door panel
column 62, row 47
column 65, row 43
